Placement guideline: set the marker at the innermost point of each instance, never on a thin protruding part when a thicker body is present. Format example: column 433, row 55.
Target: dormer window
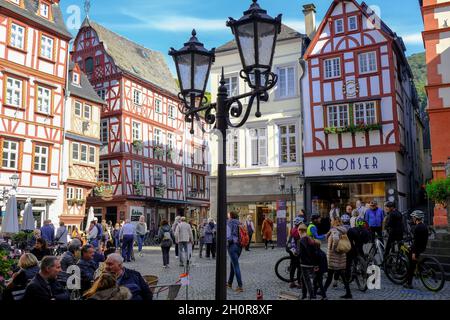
column 44, row 10
column 76, row 78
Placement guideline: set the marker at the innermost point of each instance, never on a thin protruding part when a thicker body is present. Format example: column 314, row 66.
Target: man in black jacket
column 128, row 278
column 44, row 286
column 419, row 244
column 394, row 226
column 87, row 267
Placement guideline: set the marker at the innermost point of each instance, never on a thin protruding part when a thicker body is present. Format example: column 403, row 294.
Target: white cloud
column 413, row 38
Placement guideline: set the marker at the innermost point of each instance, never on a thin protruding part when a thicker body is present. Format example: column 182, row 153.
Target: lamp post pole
column 221, row 262
column 292, row 206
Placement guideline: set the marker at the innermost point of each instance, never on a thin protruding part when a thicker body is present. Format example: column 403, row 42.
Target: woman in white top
column 250, row 229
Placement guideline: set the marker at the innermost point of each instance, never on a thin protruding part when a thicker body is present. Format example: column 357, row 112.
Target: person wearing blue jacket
column 48, row 232
column 312, row 228
column 374, row 217
column 87, row 267
column 234, row 250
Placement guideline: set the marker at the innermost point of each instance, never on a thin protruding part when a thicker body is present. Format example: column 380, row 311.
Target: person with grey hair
column 183, row 236
column 174, row 228
column 44, row 286
column 210, row 231
column 61, row 235
column 128, row 278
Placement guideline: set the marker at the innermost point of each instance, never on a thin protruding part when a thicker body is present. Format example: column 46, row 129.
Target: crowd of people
column 345, row 235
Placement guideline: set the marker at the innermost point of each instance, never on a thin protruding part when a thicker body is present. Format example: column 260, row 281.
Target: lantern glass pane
column 201, row 66
column 246, row 38
column 266, row 35
column 184, row 66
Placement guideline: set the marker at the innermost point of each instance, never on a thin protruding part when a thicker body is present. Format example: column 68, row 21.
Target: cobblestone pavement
column 257, row 267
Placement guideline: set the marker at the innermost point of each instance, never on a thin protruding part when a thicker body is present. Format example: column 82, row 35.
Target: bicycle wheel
column 432, row 274
column 396, row 268
column 360, row 273
column 283, row 269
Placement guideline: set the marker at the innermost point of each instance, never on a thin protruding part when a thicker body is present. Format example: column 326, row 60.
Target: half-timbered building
column 81, row 146
column 141, row 159
column 361, row 120
column 34, row 46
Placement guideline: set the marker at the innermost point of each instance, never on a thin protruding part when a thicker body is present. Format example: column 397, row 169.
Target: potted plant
column 71, row 202
column 138, row 188
column 158, row 151
column 170, row 154
column 439, row 192
column 80, row 202
column 138, row 145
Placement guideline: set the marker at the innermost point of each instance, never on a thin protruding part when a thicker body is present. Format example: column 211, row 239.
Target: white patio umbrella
column 89, row 218
column 28, row 218
column 10, row 222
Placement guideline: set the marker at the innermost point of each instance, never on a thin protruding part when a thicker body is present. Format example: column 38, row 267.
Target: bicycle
column 376, row 253
column 358, row 273
column 428, row 269
column 283, row 269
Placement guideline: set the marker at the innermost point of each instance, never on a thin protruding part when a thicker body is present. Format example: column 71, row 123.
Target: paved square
column 257, row 267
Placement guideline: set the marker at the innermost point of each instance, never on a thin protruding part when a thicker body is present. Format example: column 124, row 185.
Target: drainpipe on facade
column 302, row 63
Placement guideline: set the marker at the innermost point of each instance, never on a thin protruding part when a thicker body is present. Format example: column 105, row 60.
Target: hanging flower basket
column 71, row 202
column 80, row 202
column 170, row 154
column 158, row 151
column 103, row 190
column 160, row 189
column 138, row 145
column 138, row 188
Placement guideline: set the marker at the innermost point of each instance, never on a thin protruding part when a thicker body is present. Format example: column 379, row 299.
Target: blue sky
column 161, row 24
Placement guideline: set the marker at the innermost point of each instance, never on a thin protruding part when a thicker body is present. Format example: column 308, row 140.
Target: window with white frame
column 78, row 108
column 338, row 116
column 365, row 113
column 332, row 68
column 14, row 89
column 44, row 10
column 76, row 78
column 158, row 106
column 158, row 137
column 159, row 173
column 75, row 151
column 79, row 194
column 201, row 183
column 87, row 111
column 40, row 158
column 103, row 171
column 367, row 62
column 232, row 85
column 286, row 82
column 339, row 25
column 104, row 130
column 137, row 171
column 47, row 47
column 194, row 183
column 70, row 193
column 198, row 156
column 44, row 96
column 258, row 138
column 10, row 154
column 84, row 153
column 136, row 131
column 172, row 112
column 288, row 143
column 171, row 178
column 137, row 97
column 91, row 154
column 233, row 149
column 353, row 23
column 17, row 36
column 102, row 94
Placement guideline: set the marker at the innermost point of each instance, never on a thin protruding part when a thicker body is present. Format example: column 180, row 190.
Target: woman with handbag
column 338, row 246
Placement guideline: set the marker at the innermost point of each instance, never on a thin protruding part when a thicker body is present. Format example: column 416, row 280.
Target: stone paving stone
column 257, row 268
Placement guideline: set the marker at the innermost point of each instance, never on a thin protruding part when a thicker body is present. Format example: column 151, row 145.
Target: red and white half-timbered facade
column 33, row 67
column 361, row 125
column 141, row 129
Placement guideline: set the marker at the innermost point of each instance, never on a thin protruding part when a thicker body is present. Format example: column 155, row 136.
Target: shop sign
column 371, row 163
column 281, row 209
column 136, row 213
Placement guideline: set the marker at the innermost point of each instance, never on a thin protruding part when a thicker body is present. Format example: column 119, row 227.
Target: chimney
column 309, row 10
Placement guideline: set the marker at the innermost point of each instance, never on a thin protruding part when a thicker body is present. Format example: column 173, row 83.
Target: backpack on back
column 244, row 239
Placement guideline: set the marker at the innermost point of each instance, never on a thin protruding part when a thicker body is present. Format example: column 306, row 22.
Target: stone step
column 439, row 244
column 443, row 259
column 441, row 251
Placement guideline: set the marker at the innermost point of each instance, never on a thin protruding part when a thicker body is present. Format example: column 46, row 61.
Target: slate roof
column 30, row 10
column 132, row 58
column 85, row 89
column 287, row 33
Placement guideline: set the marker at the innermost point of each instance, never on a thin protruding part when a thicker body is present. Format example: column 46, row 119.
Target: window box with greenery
column 170, row 154
column 353, row 128
column 103, row 190
column 138, row 188
column 158, row 151
column 138, row 145
column 160, row 189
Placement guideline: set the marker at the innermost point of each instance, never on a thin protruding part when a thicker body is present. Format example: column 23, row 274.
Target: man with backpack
column 237, row 238
column 394, row 226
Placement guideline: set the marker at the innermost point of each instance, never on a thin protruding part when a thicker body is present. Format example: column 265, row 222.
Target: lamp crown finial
column 194, row 33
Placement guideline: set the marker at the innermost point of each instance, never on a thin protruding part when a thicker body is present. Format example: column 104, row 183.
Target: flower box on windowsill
column 160, row 189
column 138, row 188
column 353, row 129
column 138, row 145
column 170, row 154
column 158, row 151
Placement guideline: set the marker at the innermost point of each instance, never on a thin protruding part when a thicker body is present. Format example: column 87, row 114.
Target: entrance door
column 259, row 222
column 111, row 215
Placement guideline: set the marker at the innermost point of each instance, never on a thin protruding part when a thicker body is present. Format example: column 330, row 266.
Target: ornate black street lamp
column 256, row 35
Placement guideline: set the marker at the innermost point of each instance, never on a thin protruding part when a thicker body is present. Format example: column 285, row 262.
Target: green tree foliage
column 419, row 70
column 439, row 191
